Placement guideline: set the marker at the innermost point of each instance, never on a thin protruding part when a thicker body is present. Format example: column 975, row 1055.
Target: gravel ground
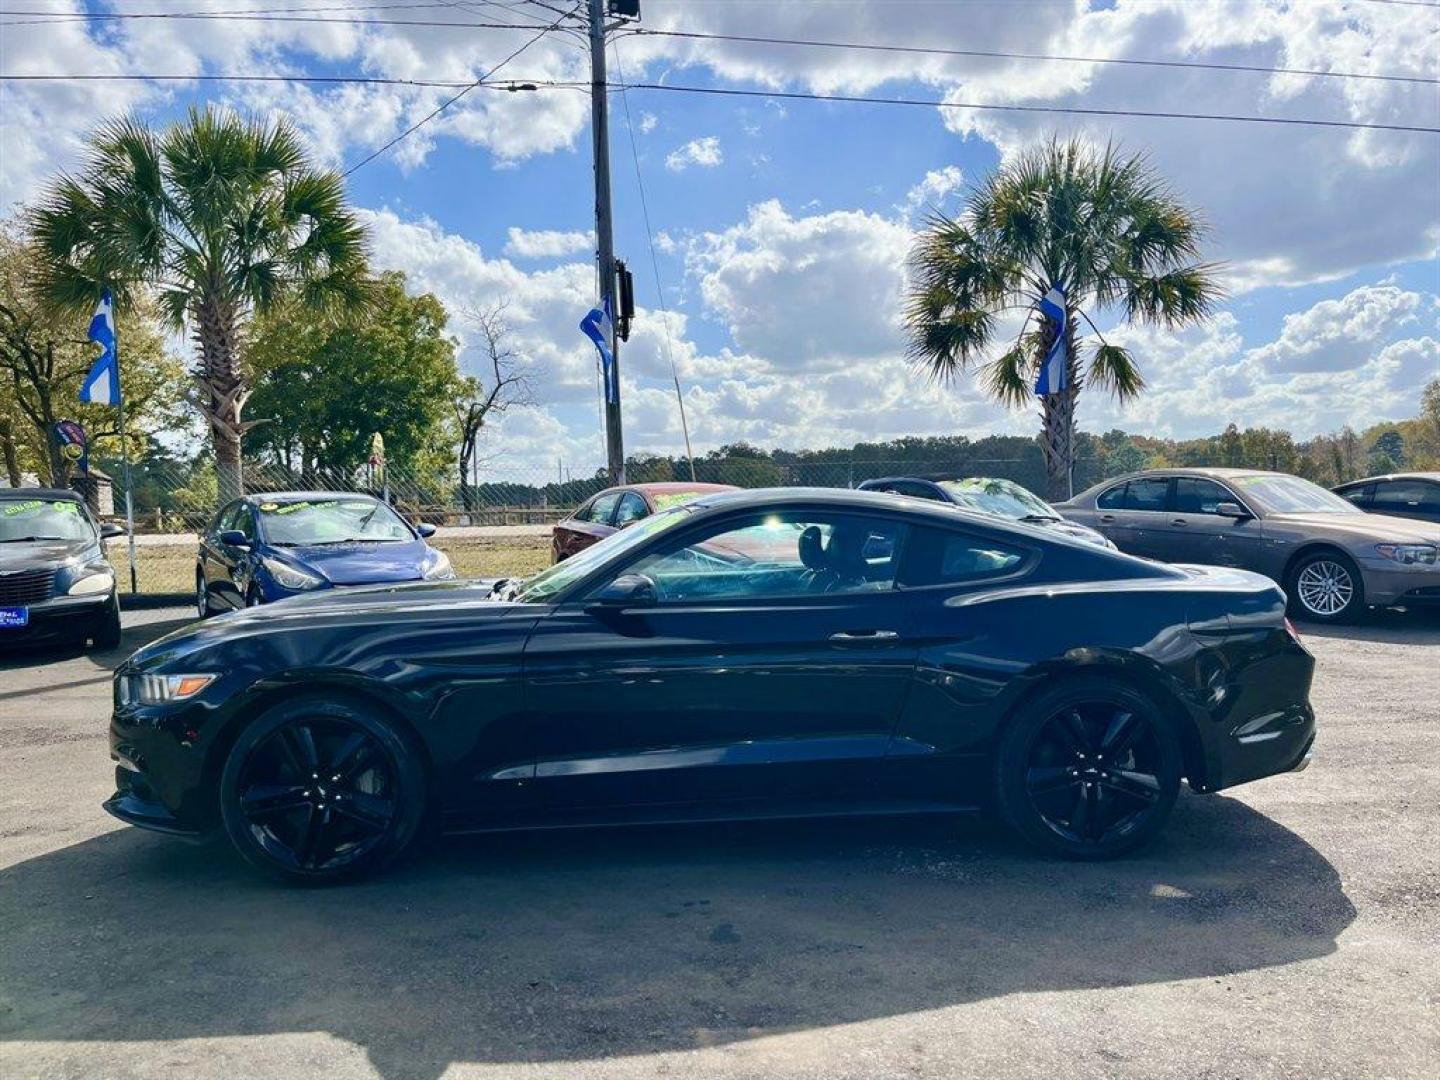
column 1290, row 928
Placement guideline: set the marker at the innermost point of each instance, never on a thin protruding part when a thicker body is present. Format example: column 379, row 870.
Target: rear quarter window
column 941, row 557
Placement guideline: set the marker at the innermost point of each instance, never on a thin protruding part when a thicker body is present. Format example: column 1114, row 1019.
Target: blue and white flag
column 102, row 385
column 1054, row 377
column 598, row 328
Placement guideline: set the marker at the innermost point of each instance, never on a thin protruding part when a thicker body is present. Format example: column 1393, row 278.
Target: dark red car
column 616, row 507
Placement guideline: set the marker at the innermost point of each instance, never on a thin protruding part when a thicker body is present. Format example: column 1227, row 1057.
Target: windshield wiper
column 30, row 539
column 1042, row 517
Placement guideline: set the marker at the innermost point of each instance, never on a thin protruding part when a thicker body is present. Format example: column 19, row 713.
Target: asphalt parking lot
column 1290, row 928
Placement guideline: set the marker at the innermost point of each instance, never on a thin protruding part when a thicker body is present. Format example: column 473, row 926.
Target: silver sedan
column 1331, row 558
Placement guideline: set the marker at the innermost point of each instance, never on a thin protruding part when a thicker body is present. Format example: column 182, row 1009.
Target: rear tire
column 1088, row 769
column 316, row 792
column 202, row 597
column 1326, row 587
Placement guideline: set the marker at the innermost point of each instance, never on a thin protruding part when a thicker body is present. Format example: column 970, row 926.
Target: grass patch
column 171, row 568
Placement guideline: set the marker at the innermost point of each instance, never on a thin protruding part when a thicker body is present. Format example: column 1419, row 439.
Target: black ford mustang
column 749, row 655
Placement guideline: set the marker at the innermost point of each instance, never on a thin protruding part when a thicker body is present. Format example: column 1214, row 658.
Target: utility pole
column 604, row 234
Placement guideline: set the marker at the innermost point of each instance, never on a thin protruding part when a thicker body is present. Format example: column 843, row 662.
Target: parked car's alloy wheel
column 1327, row 587
column 1088, row 770
column 319, row 791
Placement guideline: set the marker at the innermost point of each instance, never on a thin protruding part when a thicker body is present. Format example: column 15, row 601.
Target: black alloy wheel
column 202, row 596
column 1089, row 771
column 319, row 791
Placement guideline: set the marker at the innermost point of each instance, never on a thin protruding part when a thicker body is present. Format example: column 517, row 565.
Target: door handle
column 1178, row 521
column 850, row 637
column 1106, row 519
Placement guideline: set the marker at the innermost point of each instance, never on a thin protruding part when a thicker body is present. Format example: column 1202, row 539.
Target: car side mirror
column 627, row 591
column 425, row 529
column 234, row 538
column 1233, row 510
column 109, row 531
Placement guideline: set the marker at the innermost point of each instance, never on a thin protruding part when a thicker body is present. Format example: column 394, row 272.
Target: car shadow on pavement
column 15, row 658
column 1391, row 626
column 590, row 945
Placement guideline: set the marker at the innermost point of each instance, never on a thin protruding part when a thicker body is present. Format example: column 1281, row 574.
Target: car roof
column 52, row 494
column 306, row 496
column 1393, row 476
column 1216, row 471
column 941, row 513
column 664, row 487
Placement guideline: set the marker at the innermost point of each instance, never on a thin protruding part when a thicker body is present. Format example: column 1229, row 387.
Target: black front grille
column 25, row 587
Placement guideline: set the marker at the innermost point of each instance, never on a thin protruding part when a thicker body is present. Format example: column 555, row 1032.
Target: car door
column 1132, row 515
column 1198, row 533
column 215, row 565
column 1407, row 497
column 769, row 668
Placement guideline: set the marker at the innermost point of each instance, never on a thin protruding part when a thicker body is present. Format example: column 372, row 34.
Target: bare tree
column 479, row 397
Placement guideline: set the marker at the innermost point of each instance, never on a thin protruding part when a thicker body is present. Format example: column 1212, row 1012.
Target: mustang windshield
column 1291, row 495
column 331, row 521
column 42, row 519
column 1003, row 498
column 548, row 583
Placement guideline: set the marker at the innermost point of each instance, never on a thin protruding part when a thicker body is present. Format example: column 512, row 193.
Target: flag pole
column 124, row 452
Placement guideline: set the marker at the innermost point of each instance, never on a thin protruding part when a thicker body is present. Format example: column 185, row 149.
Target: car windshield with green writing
column 24, row 520
column 305, row 522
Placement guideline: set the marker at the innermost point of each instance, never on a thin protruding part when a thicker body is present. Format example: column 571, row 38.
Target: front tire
column 1326, row 587
column 1088, row 769
column 108, row 629
column 202, row 596
column 318, row 791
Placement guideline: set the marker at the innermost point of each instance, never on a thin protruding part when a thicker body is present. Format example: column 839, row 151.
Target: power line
column 790, row 95
column 991, row 54
column 796, row 95
column 448, row 102
column 654, row 262
column 306, row 15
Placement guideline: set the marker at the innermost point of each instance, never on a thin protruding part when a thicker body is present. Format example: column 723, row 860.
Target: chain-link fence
column 487, row 526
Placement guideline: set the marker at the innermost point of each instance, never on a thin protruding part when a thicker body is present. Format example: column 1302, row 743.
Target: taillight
column 1290, row 629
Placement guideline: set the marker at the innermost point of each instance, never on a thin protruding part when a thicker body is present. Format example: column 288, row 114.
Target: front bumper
column 1390, row 583
column 61, row 618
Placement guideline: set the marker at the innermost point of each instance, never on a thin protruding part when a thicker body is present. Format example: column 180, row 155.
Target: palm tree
column 1102, row 226
column 224, row 218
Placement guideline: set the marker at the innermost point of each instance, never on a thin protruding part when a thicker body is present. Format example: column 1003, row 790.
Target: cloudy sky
column 781, row 226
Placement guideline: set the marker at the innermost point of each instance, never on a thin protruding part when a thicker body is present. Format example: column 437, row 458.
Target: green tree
column 322, row 389
column 1387, row 451
column 1103, row 226
column 44, row 357
column 226, row 218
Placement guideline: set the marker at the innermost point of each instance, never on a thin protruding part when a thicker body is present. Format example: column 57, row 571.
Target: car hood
column 367, row 605
column 46, row 554
column 1361, row 527
column 362, row 563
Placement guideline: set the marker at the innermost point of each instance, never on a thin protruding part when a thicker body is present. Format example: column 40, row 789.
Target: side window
column 632, row 508
column 776, row 556
column 937, row 557
column 1406, row 495
column 1360, row 495
column 921, row 491
column 583, row 514
column 1114, row 499
column 603, row 507
column 224, row 520
column 1147, row 494
column 244, row 520
column 1195, row 495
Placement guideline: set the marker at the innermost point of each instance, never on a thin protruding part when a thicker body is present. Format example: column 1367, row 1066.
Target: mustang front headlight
column 1409, row 553
column 95, row 580
column 439, row 569
column 288, row 577
column 162, row 689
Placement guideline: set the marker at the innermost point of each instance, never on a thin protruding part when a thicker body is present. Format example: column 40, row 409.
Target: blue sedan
column 269, row 547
